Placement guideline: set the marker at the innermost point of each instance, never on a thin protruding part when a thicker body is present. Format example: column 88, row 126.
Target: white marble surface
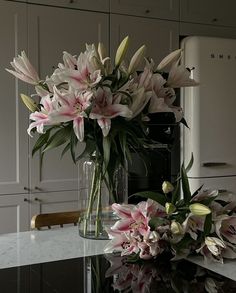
column 33, row 247
column 24, row 248
column 227, row 269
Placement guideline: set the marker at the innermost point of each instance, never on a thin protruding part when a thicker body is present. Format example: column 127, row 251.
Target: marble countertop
column 31, row 247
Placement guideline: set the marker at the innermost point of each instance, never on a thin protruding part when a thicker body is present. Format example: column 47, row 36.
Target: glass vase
column 97, row 192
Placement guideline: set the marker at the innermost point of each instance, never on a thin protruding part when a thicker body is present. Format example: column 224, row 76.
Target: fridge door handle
column 214, row 164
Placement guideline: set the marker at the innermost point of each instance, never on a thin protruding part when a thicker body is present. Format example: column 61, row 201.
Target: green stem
column 92, row 197
column 98, row 227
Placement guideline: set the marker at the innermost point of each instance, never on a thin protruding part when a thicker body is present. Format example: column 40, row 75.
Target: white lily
column 179, row 76
column 24, row 69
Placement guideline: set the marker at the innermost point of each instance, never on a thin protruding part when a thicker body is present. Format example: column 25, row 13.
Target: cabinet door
column 166, row 9
column 14, row 213
column 13, row 114
column 53, row 202
column 53, row 30
column 209, row 12
column 160, row 36
column 95, row 5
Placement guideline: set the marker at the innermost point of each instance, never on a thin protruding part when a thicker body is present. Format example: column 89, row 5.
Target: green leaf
column 176, row 193
column 158, row 197
column 73, row 144
column 41, row 141
column 185, row 185
column 66, row 148
column 156, row 222
column 58, row 138
column 208, row 224
column 88, row 150
column 190, row 164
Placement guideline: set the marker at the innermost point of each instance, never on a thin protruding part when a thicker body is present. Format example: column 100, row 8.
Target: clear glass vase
column 97, row 193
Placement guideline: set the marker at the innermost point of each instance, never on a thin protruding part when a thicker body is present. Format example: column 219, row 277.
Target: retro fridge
column 210, row 111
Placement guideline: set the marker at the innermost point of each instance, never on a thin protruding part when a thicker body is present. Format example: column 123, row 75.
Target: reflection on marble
column 228, row 269
column 33, row 247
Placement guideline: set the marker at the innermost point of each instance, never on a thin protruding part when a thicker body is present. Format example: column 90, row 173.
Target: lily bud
column 199, row 209
column 29, row 103
column 121, row 51
column 170, row 208
column 101, row 51
column 176, row 228
column 169, row 59
column 167, row 187
column 136, row 59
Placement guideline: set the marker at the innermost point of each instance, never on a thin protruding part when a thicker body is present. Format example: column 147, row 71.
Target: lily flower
column 72, row 106
column 41, row 118
column 24, row 70
column 179, row 76
column 226, row 227
column 192, row 224
column 86, row 74
column 107, row 107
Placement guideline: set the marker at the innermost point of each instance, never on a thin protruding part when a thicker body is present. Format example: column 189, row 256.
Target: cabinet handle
column 27, row 188
column 37, row 199
column 38, row 188
column 214, row 20
column 147, row 11
column 26, row 199
column 214, row 164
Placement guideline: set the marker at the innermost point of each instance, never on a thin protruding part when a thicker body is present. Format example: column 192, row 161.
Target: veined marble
column 31, row 247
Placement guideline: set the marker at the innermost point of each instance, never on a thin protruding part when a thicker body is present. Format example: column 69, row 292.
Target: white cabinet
column 160, row 36
column 165, row 9
column 94, row 5
column 53, row 202
column 53, row 30
column 14, row 116
column 214, row 12
column 14, row 213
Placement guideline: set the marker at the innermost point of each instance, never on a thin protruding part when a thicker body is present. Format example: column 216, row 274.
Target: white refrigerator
column 210, row 111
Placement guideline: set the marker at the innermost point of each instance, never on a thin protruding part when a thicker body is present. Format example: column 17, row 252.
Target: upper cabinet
column 215, row 12
column 163, row 9
column 94, row 5
column 13, row 114
column 53, row 30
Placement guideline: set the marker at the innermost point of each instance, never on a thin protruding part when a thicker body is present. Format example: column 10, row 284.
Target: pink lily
column 226, row 226
column 107, row 107
column 72, row 106
column 41, row 118
column 86, row 74
column 24, row 69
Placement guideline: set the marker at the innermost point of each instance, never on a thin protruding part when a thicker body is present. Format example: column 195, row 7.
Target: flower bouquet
column 201, row 222
column 105, row 106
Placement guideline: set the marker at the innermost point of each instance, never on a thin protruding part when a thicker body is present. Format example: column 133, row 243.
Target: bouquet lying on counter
column 198, row 223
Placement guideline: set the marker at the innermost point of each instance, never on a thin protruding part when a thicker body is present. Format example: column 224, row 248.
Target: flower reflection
column 164, row 276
